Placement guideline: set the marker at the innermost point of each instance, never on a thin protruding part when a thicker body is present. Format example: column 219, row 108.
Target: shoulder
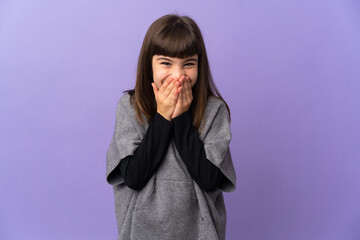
column 214, row 105
column 215, row 110
column 124, row 108
column 124, row 99
column 125, row 103
column 216, row 118
column 215, row 101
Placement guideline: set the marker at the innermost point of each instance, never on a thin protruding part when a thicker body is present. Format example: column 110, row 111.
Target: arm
column 191, row 150
column 138, row 169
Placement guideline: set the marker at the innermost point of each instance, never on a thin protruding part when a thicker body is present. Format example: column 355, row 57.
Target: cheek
column 193, row 76
column 159, row 77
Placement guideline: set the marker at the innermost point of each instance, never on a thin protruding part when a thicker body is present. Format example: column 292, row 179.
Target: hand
column 185, row 97
column 166, row 97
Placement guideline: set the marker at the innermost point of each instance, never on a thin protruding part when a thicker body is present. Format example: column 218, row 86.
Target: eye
column 189, row 64
column 166, row 63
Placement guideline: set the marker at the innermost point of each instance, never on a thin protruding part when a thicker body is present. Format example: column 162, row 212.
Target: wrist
column 165, row 116
column 183, row 118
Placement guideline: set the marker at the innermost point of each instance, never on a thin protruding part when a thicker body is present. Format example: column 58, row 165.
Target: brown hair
column 174, row 36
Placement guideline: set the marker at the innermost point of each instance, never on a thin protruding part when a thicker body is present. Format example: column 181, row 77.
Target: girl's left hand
column 185, row 97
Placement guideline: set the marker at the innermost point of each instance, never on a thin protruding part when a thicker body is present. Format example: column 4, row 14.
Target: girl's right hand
column 166, row 97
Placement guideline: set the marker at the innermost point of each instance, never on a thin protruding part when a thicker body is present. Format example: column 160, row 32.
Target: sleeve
column 138, row 169
column 217, row 149
column 191, row 150
column 125, row 141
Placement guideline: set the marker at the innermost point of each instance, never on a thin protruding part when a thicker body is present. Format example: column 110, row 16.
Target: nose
column 178, row 72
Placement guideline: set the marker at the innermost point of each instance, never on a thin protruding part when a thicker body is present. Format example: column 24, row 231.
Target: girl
column 169, row 159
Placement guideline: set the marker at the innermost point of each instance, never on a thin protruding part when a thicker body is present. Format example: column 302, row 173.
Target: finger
column 175, row 88
column 176, row 85
column 182, row 81
column 165, row 84
column 174, row 93
column 181, row 98
column 180, row 89
column 169, row 88
column 181, row 84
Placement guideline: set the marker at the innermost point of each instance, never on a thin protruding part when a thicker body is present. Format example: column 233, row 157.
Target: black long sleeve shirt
column 138, row 169
column 192, row 152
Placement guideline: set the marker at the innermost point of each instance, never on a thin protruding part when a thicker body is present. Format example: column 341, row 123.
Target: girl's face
column 165, row 67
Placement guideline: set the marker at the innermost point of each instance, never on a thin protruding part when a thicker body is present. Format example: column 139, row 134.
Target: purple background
column 289, row 70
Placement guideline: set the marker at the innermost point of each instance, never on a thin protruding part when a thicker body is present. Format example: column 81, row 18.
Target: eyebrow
column 167, row 59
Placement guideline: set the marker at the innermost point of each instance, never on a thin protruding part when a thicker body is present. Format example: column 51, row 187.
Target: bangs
column 176, row 41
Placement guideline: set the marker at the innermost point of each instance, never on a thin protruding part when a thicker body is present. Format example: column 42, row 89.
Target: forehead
column 163, row 57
